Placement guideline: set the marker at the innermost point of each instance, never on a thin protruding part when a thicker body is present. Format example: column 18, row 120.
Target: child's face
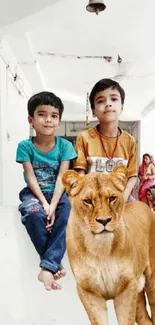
column 149, row 196
column 46, row 120
column 108, row 105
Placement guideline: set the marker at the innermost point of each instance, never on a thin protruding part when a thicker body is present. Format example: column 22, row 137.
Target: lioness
column 111, row 247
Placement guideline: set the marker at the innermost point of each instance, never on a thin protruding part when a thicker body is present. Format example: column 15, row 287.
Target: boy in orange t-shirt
column 105, row 146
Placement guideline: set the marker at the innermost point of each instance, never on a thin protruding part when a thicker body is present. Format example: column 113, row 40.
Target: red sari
column 146, row 183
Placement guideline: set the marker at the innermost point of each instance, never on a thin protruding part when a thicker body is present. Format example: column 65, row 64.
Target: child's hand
column 50, row 218
column 46, row 208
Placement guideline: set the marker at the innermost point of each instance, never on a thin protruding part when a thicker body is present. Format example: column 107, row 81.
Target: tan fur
column 112, row 261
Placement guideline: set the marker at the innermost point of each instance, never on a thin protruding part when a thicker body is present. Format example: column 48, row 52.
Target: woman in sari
column 146, row 175
column 151, row 197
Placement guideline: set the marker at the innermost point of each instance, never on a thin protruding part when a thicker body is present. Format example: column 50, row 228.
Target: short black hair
column 105, row 84
column 44, row 98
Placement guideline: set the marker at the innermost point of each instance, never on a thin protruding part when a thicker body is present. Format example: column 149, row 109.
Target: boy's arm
column 132, row 170
column 23, row 156
column 33, row 184
column 67, row 153
column 130, row 185
column 80, row 171
column 80, row 163
column 58, row 191
column 59, row 188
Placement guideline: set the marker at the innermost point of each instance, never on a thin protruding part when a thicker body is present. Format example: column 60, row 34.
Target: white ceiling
column 60, row 47
column 15, row 10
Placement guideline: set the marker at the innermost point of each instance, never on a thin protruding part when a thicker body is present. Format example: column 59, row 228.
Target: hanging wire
column 15, row 78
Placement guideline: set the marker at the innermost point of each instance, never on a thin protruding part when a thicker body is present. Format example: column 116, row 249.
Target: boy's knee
column 34, row 209
column 31, row 209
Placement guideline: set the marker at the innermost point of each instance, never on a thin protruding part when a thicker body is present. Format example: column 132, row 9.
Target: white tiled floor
column 23, row 300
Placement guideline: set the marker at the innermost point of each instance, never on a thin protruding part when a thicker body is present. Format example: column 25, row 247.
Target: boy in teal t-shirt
column 45, row 207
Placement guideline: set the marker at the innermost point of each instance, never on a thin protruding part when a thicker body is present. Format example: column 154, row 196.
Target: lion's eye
column 73, row 185
column 112, row 198
column 88, row 201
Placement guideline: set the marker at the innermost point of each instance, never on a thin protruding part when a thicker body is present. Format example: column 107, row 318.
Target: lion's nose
column 104, row 221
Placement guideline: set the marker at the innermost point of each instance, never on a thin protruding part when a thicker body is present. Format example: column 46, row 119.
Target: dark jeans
column 50, row 246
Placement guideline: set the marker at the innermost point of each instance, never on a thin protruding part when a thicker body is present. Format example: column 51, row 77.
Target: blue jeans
column 50, row 246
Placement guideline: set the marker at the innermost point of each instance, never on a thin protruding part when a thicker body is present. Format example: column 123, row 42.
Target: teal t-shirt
column 45, row 165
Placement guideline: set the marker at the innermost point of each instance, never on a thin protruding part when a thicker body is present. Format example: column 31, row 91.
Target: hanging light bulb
column 95, row 6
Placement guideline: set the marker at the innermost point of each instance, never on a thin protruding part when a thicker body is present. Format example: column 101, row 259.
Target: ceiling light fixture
column 95, row 6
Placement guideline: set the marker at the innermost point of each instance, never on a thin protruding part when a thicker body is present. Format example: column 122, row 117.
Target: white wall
column 13, row 128
column 147, row 134
column 23, row 298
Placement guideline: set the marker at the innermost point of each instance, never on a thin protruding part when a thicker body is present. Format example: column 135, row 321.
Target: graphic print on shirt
column 46, row 173
column 104, row 164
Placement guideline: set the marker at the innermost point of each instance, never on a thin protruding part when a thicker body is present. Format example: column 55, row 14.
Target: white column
column 2, row 109
column 14, row 127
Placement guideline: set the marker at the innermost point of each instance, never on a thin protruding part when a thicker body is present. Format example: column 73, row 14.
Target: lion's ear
column 71, row 182
column 119, row 177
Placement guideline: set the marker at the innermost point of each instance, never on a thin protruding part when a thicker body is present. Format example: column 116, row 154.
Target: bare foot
column 60, row 274
column 47, row 278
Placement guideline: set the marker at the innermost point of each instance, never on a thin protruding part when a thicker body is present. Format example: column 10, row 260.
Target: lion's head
column 97, row 199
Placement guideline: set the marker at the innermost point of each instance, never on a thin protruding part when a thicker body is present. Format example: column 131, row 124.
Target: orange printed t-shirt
column 93, row 158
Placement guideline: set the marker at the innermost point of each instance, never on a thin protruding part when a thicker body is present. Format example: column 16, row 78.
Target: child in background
column 151, row 197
